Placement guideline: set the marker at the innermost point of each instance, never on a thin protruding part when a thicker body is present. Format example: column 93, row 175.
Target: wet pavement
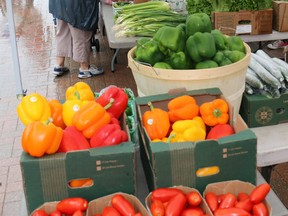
column 35, row 33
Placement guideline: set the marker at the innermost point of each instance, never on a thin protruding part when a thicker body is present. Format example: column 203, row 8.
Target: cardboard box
column 244, row 22
column 258, row 110
column 203, row 205
column 96, row 206
column 47, row 179
column 235, row 187
column 280, row 16
column 169, row 164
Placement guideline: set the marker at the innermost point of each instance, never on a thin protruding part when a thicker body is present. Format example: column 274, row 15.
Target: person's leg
column 81, row 52
column 63, row 47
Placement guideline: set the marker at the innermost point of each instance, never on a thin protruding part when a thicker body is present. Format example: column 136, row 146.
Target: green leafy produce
column 144, row 19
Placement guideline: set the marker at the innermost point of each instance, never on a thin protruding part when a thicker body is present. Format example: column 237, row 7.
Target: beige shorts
column 72, row 42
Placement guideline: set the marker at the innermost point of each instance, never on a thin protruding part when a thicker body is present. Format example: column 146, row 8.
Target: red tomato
column 191, row 212
column 176, row 205
column 228, row 201
column 231, row 212
column 122, row 205
column 220, row 197
column 242, row 196
column 138, row 214
column 40, row 212
column 212, row 201
column 97, row 215
column 56, row 213
column 71, row 205
column 259, row 193
column 157, row 208
column 78, row 213
column 245, row 204
column 199, row 209
column 194, row 198
column 165, row 194
column 110, row 211
column 260, row 210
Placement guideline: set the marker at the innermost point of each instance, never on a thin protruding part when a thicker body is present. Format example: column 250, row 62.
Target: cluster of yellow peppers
column 45, row 119
column 185, row 120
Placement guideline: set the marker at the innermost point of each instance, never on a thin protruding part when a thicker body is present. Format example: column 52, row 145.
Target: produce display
column 193, row 45
column 185, row 120
column 243, row 204
column 266, row 75
column 81, row 122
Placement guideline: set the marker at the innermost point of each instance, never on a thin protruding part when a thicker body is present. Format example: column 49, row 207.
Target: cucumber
column 248, row 89
column 268, row 64
column 265, row 75
column 253, row 80
column 282, row 65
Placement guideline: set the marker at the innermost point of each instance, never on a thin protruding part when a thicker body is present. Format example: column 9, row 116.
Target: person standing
column 76, row 23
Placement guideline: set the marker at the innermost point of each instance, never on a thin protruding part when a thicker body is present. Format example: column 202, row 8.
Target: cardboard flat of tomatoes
column 235, row 187
column 96, row 206
column 203, row 205
column 169, row 164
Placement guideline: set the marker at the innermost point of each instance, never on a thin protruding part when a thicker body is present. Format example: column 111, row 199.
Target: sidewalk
column 36, row 46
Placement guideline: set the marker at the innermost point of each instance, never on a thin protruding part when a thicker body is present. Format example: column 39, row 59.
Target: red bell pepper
column 72, row 140
column 108, row 135
column 120, row 100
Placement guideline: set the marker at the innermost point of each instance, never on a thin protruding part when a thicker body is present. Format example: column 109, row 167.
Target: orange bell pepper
column 81, row 91
column 57, row 113
column 90, row 118
column 156, row 122
column 215, row 112
column 40, row 138
column 182, row 108
column 33, row 107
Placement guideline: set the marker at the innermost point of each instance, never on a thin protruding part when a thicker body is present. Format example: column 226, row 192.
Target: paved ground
column 35, row 33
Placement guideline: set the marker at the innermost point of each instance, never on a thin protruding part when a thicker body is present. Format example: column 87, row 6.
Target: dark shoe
column 59, row 71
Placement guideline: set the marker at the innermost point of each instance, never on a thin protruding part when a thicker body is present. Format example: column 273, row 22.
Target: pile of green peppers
column 191, row 45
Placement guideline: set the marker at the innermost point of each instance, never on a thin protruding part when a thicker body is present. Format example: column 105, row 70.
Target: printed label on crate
column 234, row 151
column 108, row 164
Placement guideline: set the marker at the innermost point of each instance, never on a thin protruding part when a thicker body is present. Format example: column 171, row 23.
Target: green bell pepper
column 206, row 64
column 162, row 65
column 198, row 22
column 179, row 60
column 170, row 39
column 149, row 52
column 228, row 57
column 220, row 39
column 235, row 43
column 201, row 46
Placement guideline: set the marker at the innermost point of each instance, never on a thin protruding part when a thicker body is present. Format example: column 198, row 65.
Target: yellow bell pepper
column 81, row 91
column 33, row 107
column 188, row 130
column 70, row 107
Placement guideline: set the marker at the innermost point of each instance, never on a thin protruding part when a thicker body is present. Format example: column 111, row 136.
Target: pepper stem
column 171, row 136
column 217, row 113
column 76, row 93
column 150, row 105
column 48, row 121
column 109, row 104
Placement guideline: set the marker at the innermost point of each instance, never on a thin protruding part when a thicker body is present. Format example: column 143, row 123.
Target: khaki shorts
column 72, row 42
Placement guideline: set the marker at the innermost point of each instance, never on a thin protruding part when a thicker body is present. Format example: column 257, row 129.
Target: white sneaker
column 92, row 71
